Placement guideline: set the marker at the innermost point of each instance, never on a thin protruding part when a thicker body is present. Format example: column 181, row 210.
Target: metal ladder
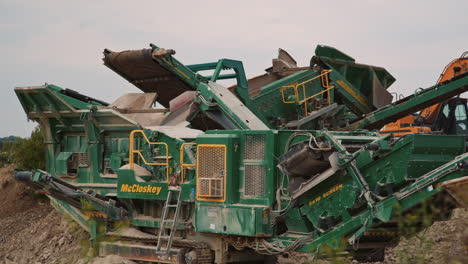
column 164, row 220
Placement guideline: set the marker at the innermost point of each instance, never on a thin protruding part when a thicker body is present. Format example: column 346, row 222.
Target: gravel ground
column 31, row 231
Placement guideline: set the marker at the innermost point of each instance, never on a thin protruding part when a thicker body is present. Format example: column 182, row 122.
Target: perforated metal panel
column 254, row 147
column 82, row 159
column 211, row 172
column 255, row 172
column 254, row 180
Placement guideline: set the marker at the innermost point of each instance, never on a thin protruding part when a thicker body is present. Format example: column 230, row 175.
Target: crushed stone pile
column 443, row 242
column 31, row 231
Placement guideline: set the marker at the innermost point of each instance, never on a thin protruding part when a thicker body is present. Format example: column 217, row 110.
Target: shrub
column 29, row 153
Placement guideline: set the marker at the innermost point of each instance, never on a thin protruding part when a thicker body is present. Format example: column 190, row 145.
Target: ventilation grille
column 254, row 147
column 82, row 159
column 211, row 172
column 254, row 180
column 255, row 171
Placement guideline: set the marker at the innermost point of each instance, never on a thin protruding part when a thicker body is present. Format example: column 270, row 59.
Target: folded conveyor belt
column 142, row 70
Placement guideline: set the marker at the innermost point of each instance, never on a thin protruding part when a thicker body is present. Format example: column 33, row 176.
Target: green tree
column 5, row 158
column 5, row 154
column 29, row 153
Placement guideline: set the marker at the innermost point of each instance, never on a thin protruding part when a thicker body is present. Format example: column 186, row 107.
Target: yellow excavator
column 448, row 117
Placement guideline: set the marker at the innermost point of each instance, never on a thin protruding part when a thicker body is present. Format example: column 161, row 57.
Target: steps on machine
column 167, row 234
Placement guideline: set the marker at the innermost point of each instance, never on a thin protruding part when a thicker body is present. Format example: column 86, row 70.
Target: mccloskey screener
column 191, row 171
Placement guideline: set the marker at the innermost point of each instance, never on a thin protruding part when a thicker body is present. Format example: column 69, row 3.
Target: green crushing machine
column 192, row 171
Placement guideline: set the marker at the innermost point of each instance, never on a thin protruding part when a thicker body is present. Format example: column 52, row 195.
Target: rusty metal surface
column 139, row 252
column 181, row 100
column 177, row 131
column 282, row 66
column 134, row 101
column 139, row 68
column 257, row 82
column 139, row 107
column 139, row 245
column 458, row 188
column 381, row 96
column 178, row 117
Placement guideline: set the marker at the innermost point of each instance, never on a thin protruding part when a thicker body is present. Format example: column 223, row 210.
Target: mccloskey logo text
column 136, row 188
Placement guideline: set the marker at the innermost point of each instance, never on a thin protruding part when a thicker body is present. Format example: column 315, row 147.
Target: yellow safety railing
column 324, row 82
column 139, row 151
column 182, row 164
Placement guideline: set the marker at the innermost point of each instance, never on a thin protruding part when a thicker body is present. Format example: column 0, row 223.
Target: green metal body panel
column 221, row 65
column 266, row 195
column 420, row 190
column 232, row 161
column 358, row 84
column 77, row 146
column 242, row 220
column 296, row 221
column 387, row 172
column 260, row 201
column 77, row 216
column 151, row 223
column 268, row 104
column 355, row 85
column 61, row 162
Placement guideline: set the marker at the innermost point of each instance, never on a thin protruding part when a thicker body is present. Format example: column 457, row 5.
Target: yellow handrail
column 182, row 164
column 324, row 82
column 133, row 151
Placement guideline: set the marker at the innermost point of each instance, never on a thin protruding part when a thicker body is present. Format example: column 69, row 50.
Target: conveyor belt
column 235, row 109
column 139, row 68
column 413, row 103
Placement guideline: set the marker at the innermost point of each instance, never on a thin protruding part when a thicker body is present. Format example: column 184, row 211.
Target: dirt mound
column 15, row 197
column 31, row 231
column 443, row 242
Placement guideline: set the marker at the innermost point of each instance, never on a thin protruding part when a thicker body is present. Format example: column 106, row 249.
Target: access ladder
column 168, row 233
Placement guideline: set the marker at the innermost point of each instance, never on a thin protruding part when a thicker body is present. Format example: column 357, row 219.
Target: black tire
column 369, row 255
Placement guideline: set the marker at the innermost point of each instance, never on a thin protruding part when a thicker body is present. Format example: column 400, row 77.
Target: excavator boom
column 431, row 118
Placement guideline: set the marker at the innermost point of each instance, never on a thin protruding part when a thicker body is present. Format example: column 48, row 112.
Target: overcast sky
column 61, row 42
